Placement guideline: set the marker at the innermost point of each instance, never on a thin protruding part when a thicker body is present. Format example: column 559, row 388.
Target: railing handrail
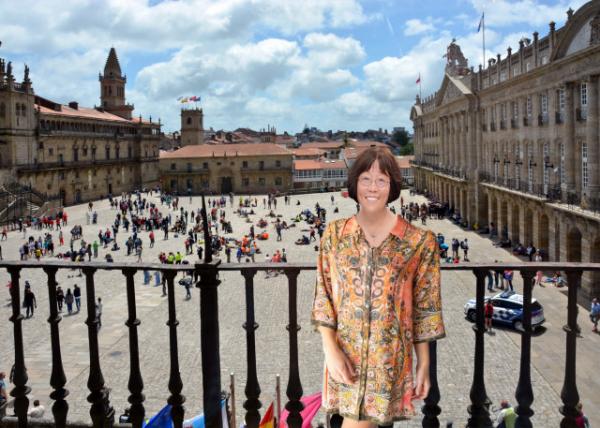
column 103, row 414
column 472, row 266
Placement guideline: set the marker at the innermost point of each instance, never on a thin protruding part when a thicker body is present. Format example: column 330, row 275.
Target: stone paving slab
column 455, row 353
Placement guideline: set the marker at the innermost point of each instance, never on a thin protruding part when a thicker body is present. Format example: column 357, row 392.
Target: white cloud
column 534, row 13
column 416, row 26
column 331, row 51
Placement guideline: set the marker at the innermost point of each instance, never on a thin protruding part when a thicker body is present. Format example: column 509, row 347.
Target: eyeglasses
column 381, row 183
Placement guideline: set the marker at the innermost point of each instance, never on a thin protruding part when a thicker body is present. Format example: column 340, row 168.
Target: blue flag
column 161, row 420
column 480, row 22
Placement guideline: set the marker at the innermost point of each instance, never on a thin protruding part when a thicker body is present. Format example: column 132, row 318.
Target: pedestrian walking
column 77, row 296
column 60, row 297
column 29, row 301
column 69, row 299
column 465, row 247
column 595, row 314
column 488, row 312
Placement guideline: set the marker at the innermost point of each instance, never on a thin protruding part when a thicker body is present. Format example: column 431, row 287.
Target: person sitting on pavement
column 507, row 416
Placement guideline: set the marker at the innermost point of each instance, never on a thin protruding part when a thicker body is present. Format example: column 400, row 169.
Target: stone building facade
column 517, row 144
column 222, row 168
column 77, row 152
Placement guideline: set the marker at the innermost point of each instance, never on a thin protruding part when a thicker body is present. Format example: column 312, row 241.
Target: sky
column 332, row 64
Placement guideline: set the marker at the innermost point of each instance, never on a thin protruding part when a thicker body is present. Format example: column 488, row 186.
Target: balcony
column 101, row 409
column 542, row 119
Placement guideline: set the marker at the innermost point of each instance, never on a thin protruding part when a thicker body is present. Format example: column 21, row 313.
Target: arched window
column 107, row 151
column 189, row 120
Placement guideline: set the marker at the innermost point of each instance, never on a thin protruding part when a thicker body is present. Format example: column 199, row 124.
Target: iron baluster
column 569, row 393
column 294, row 388
column 136, row 383
column 101, row 412
column 20, row 391
column 176, row 400
column 479, row 415
column 431, row 409
column 524, row 392
column 209, row 343
column 57, row 378
column 252, row 390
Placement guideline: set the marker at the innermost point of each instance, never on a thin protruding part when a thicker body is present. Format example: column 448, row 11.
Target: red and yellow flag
column 268, row 419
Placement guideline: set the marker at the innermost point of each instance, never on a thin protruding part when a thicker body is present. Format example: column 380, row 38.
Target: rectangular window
column 561, row 99
column 529, row 106
column 545, row 177
column 261, row 165
column 517, row 167
column 530, row 168
column 278, row 163
column 544, row 103
column 584, row 166
column 562, row 164
column 173, row 167
column 262, row 181
column 278, row 181
column 244, row 164
column 583, row 95
column 205, row 165
column 527, row 66
column 503, row 111
column 515, row 110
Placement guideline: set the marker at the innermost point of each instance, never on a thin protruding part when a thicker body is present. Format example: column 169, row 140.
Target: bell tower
column 112, row 88
column 192, row 127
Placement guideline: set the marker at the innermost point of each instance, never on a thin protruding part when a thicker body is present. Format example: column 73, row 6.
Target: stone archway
column 574, row 245
column 528, row 227
column 503, row 219
column 514, row 224
column 595, row 258
column 543, row 236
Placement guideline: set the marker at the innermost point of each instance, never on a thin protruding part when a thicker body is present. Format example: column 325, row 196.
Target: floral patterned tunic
column 380, row 301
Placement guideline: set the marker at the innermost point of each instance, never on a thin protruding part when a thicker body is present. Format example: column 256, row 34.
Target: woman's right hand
column 339, row 366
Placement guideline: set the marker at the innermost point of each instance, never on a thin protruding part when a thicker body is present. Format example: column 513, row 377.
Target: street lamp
column 532, row 163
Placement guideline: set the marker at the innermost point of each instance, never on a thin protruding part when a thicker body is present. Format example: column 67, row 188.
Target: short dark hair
column 387, row 164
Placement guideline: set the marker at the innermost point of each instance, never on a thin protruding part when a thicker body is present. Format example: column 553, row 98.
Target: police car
column 508, row 310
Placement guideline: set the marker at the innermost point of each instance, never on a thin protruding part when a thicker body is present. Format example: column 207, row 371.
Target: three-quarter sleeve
column 323, row 310
column 428, row 323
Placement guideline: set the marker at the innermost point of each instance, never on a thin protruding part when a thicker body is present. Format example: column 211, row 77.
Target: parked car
column 508, row 310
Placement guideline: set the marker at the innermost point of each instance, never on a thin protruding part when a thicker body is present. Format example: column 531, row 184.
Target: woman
column 377, row 293
column 69, row 299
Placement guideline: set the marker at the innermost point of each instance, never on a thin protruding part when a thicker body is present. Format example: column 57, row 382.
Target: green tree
column 407, row 150
column 400, row 137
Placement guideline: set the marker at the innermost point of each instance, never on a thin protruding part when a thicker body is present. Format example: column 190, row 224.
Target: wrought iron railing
column 101, row 410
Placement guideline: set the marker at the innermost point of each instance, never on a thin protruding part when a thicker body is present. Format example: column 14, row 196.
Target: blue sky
column 334, row 64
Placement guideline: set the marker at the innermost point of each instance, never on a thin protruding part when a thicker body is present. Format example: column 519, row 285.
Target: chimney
column 74, row 105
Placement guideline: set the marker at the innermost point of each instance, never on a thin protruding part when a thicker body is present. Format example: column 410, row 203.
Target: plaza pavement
column 455, row 353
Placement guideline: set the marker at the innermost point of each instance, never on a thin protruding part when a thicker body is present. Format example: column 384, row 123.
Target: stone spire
column 112, row 67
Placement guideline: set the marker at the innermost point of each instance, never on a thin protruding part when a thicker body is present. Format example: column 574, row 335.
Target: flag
column 184, row 100
column 161, row 420
column 195, row 98
column 179, row 98
column 267, row 420
column 198, row 421
column 480, row 22
column 312, row 404
column 418, row 79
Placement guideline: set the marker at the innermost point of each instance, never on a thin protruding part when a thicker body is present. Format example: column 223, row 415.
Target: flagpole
column 483, row 34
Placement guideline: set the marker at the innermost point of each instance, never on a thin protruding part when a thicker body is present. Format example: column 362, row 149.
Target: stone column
column 451, row 132
column 457, row 141
column 593, row 142
column 568, row 140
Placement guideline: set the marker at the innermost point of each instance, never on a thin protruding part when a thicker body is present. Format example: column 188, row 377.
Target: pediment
column 451, row 89
column 580, row 32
